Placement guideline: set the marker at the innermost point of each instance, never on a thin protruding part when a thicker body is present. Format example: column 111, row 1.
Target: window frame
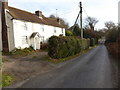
column 24, row 40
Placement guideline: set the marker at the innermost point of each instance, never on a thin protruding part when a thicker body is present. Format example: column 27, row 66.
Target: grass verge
column 21, row 52
column 7, row 79
column 55, row 61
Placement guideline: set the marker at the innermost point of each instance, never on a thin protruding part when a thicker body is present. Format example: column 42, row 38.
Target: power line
column 67, row 12
column 85, row 12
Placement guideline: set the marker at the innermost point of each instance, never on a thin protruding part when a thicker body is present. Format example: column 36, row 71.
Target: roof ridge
column 21, row 10
column 31, row 17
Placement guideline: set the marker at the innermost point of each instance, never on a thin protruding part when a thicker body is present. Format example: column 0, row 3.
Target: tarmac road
column 91, row 70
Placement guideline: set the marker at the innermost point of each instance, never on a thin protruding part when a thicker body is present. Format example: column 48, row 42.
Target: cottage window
column 42, row 27
column 54, row 29
column 42, row 38
column 24, row 40
column 62, row 30
column 25, row 26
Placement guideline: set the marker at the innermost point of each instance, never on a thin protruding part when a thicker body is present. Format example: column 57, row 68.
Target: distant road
column 91, row 70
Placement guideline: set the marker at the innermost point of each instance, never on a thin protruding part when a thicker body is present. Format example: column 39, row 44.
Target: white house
column 25, row 29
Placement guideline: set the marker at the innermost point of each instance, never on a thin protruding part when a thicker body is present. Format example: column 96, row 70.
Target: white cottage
column 25, row 29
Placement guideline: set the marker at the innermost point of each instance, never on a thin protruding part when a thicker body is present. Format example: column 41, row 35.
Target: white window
column 24, row 40
column 42, row 27
column 54, row 29
column 62, row 30
column 25, row 26
column 42, row 38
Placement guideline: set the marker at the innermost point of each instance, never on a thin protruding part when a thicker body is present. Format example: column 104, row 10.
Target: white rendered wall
column 20, row 31
column 44, row 31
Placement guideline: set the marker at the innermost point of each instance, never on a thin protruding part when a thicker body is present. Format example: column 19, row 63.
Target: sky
column 102, row 10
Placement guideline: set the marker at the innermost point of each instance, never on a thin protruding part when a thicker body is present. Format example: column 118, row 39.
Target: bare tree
column 62, row 21
column 110, row 25
column 52, row 16
column 91, row 22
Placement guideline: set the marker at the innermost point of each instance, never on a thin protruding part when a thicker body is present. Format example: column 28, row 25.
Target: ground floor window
column 24, row 40
column 62, row 30
column 42, row 39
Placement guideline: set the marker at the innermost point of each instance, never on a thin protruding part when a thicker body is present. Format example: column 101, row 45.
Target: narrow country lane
column 91, row 70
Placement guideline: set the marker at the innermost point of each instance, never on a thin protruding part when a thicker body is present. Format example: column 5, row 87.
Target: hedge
column 61, row 47
column 92, row 42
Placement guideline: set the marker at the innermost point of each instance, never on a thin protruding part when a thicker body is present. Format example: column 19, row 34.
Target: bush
column 86, row 43
column 114, row 49
column 68, row 33
column 92, row 42
column 96, row 40
column 24, row 51
column 112, row 35
column 61, row 47
column 44, row 46
column 6, row 80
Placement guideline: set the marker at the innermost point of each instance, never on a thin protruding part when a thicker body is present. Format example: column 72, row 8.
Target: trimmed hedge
column 92, row 42
column 61, row 47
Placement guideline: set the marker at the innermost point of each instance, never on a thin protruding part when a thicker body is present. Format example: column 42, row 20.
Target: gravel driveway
column 25, row 67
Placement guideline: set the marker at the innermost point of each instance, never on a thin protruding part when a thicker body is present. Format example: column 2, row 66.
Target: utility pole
column 81, row 20
column 56, row 13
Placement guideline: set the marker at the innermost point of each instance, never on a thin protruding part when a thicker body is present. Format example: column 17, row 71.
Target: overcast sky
column 103, row 10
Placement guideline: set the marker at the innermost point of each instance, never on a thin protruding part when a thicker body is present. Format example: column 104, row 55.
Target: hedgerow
column 61, row 47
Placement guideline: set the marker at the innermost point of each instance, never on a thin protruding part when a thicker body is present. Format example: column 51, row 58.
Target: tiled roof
column 33, row 34
column 30, row 17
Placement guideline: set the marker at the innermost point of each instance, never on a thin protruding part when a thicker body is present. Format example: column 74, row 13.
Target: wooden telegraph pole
column 81, row 20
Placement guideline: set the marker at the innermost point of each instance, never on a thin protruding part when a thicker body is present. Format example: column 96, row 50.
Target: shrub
column 68, row 33
column 92, row 42
column 6, row 80
column 24, row 51
column 111, row 35
column 44, row 46
column 61, row 47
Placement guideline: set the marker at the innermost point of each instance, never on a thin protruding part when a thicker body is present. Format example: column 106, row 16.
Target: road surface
column 91, row 70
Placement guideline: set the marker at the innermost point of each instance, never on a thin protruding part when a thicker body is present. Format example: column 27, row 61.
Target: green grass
column 24, row 52
column 7, row 79
column 34, row 57
column 5, row 60
column 55, row 61
column 20, row 52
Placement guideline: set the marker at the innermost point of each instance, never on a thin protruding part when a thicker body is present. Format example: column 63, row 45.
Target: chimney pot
column 58, row 20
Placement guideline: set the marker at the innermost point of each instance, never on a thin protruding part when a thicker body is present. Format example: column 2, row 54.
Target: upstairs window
column 54, row 29
column 42, row 27
column 62, row 30
column 25, row 26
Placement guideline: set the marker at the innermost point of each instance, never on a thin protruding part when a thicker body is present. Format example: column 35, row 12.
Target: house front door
column 37, row 43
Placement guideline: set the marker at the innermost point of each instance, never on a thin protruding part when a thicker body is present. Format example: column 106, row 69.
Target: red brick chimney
column 38, row 13
column 4, row 26
column 58, row 20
